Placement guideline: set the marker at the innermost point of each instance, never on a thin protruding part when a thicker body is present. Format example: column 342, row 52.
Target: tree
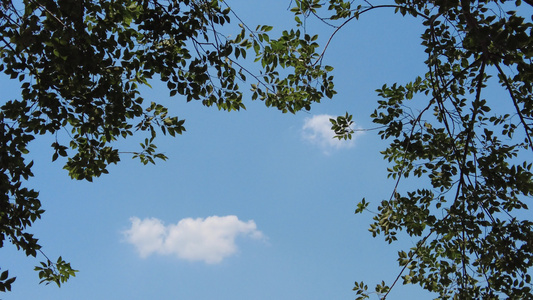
column 471, row 159
column 80, row 65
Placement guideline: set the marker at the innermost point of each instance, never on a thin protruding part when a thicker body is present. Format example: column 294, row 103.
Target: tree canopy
column 470, row 151
column 80, row 65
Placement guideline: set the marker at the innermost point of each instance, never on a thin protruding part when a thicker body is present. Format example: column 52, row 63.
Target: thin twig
column 411, row 257
column 356, row 16
column 515, row 103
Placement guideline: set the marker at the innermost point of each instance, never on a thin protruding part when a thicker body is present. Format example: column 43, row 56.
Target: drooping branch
column 515, row 103
column 356, row 16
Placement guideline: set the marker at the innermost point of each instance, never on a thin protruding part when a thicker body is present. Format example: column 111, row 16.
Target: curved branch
column 515, row 103
column 356, row 16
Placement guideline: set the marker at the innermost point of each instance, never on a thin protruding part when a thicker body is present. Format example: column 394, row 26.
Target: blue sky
column 250, row 205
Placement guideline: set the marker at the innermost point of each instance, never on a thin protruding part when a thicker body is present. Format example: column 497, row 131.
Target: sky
column 253, row 204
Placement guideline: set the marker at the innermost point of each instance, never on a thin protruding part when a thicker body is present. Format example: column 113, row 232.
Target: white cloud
column 210, row 240
column 317, row 130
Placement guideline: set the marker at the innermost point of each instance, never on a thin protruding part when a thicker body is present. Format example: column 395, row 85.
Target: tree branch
column 515, row 103
column 356, row 16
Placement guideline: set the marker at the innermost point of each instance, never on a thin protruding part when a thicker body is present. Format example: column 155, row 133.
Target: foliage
column 5, row 281
column 58, row 272
column 80, row 65
column 469, row 151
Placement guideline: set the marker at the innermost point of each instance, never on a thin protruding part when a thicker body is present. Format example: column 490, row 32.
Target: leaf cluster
column 58, row 272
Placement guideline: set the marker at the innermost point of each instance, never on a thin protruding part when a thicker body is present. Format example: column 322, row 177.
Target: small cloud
column 210, row 240
column 317, row 131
